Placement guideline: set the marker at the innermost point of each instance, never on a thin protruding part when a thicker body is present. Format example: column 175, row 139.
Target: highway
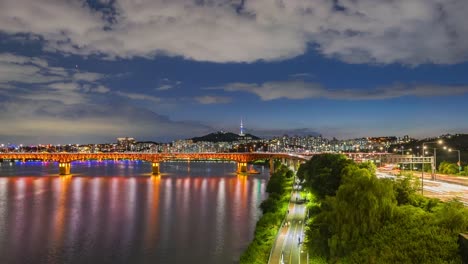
column 288, row 244
column 437, row 189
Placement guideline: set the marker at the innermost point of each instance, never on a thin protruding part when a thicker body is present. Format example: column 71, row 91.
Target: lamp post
column 380, row 157
column 422, row 164
column 459, row 164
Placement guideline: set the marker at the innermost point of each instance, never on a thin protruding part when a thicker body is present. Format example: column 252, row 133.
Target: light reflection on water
column 196, row 212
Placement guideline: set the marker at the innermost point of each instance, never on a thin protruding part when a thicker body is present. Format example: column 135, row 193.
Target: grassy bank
column 274, row 210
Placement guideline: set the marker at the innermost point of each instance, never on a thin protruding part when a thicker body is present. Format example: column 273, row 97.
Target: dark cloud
column 45, row 121
column 359, row 31
column 44, row 104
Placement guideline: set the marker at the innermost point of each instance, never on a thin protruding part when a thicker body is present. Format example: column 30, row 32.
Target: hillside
column 223, row 137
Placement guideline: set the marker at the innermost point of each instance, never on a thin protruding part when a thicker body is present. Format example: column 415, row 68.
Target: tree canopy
column 372, row 220
column 323, row 173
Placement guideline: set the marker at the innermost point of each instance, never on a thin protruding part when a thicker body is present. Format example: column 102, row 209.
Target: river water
column 115, row 212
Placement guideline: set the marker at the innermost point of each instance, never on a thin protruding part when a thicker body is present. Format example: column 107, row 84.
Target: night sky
column 91, row 71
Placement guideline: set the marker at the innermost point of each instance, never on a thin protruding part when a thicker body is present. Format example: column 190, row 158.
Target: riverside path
column 288, row 244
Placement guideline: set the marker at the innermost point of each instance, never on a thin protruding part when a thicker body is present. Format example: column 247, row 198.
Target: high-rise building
column 126, row 143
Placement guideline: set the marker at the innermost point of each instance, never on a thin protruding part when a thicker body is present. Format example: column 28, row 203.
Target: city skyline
column 87, row 71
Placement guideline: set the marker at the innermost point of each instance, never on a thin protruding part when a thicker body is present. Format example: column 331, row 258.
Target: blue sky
column 90, row 71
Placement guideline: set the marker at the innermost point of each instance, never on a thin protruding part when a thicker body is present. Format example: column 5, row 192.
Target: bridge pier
column 156, row 168
column 242, row 167
column 64, row 168
column 297, row 164
column 272, row 166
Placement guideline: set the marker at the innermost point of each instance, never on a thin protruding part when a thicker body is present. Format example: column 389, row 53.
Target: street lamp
column 434, row 161
column 459, row 164
column 402, row 150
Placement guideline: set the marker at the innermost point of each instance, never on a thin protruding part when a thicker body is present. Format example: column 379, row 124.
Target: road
column 438, row 189
column 288, row 244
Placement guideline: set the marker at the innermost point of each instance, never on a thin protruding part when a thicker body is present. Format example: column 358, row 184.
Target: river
column 115, row 212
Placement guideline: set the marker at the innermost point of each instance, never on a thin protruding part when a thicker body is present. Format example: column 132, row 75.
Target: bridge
column 64, row 159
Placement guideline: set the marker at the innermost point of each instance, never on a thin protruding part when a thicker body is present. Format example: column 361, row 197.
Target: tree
column 373, row 220
column 363, row 204
column 453, row 216
column 323, row 173
column 370, row 166
column 448, row 168
column 271, row 204
column 412, row 236
column 405, row 188
column 276, row 184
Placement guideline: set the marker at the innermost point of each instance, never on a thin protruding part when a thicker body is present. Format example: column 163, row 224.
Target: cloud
column 56, row 122
column 356, row 31
column 88, row 76
column 33, row 78
column 166, row 84
column 101, row 89
column 14, row 68
column 304, row 90
column 210, row 99
column 139, row 96
column 164, row 87
column 33, row 70
column 300, row 76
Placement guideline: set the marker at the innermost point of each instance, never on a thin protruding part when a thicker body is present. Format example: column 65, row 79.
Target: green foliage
column 406, row 187
column 271, row 204
column 373, row 220
column 361, row 207
column 274, row 209
column 453, row 216
column 370, row 166
column 276, row 184
column 260, row 162
column 265, row 233
column 323, row 173
column 448, row 168
column 427, row 167
column 411, row 237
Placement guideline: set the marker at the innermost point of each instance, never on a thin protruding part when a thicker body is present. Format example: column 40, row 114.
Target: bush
column 274, row 209
column 448, row 168
column 405, row 187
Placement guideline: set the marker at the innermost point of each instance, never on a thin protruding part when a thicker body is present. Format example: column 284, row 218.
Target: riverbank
column 274, row 209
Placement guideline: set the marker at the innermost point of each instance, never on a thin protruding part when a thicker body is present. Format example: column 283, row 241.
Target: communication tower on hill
column 241, row 129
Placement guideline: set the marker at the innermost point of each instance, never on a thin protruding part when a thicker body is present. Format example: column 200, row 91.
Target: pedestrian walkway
column 288, row 244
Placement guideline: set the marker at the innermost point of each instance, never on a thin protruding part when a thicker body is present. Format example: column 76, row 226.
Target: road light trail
column 440, row 189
